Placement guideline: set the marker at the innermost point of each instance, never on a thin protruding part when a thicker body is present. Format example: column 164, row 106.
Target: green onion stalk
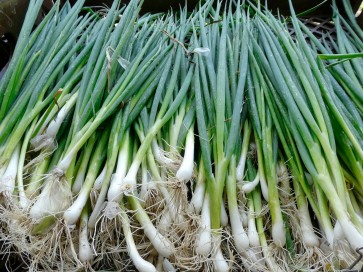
column 30, row 99
column 267, row 143
column 318, row 146
column 54, row 126
column 338, row 103
column 302, row 189
column 35, row 97
column 68, row 159
column 126, row 185
column 103, row 181
column 352, row 134
column 222, row 152
column 8, row 88
column 129, row 182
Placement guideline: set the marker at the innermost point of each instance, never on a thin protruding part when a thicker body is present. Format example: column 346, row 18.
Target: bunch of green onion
column 211, row 140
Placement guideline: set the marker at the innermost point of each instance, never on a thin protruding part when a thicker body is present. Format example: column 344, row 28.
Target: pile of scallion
column 203, row 141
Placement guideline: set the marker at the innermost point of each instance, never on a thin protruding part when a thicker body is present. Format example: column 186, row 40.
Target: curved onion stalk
column 161, row 244
column 127, row 185
column 141, row 264
column 248, row 187
column 85, row 251
column 254, row 252
column 158, row 153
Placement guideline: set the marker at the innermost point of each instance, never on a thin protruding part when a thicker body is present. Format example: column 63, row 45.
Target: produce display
column 223, row 139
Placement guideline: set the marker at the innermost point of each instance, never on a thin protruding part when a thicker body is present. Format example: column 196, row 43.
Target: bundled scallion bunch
column 211, row 140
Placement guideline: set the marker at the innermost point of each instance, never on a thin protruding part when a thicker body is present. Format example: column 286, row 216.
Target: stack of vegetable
column 211, row 140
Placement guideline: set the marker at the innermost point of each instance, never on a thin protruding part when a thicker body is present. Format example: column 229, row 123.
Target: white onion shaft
column 185, row 171
column 245, row 145
column 220, row 263
column 239, row 235
column 204, row 239
column 141, row 264
column 161, row 244
column 115, row 191
column 7, row 181
column 85, row 249
column 196, row 203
